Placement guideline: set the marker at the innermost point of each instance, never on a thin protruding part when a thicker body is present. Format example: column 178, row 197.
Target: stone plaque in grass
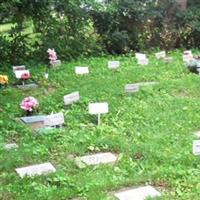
column 19, row 73
column 143, row 61
column 81, row 70
column 160, row 55
column 141, row 193
column 20, row 67
column 196, row 147
column 54, row 120
column 55, row 63
column 99, row 158
column 71, row 98
column 34, row 122
column 10, row 146
column 113, row 65
column 140, row 56
column 27, row 86
column 36, row 170
column 132, row 88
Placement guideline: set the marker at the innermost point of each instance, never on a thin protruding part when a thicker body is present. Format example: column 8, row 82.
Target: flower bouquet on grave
column 25, row 77
column 30, row 105
column 53, row 57
column 3, row 81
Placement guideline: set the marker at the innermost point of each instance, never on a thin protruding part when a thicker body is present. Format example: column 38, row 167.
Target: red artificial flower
column 25, row 76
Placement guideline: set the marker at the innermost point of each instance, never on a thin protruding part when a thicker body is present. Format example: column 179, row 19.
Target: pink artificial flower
column 25, row 76
column 52, row 54
column 29, row 103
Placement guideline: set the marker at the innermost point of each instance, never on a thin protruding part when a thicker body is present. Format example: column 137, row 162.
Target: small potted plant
column 53, row 57
column 3, row 81
column 25, row 77
column 29, row 104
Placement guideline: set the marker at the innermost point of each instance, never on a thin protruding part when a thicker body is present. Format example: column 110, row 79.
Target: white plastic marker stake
column 113, row 64
column 98, row 109
column 81, row 70
column 46, row 75
column 196, row 147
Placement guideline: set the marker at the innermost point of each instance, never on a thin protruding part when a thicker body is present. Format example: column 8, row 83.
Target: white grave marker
column 46, row 75
column 132, row 88
column 10, row 146
column 140, row 56
column 21, row 67
column 34, row 170
column 143, row 61
column 160, row 55
column 81, row 70
column 141, row 193
column 99, row 158
column 71, row 98
column 113, row 64
column 187, row 56
column 98, row 109
column 196, row 147
column 55, row 63
column 18, row 73
column 54, row 119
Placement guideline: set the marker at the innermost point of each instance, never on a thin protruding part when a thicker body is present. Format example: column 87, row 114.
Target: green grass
column 152, row 131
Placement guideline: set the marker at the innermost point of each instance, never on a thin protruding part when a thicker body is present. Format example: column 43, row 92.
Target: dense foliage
column 84, row 27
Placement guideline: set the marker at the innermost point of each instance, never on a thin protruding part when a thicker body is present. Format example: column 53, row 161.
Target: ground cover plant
column 152, row 131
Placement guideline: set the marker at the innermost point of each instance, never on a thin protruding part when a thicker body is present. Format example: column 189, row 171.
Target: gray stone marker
column 35, row 170
column 34, row 122
column 20, row 67
column 27, row 86
column 141, row 193
column 196, row 147
column 10, row 146
column 113, row 65
column 81, row 70
column 71, row 98
column 132, row 88
column 99, row 158
column 54, row 120
column 55, row 63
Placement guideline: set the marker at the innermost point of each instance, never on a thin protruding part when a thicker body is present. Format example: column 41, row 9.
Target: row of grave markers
column 57, row 119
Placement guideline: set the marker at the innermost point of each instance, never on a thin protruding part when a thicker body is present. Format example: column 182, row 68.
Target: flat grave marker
column 20, row 67
column 55, row 63
column 196, row 147
column 132, row 88
column 34, row 170
column 140, row 56
column 113, row 64
column 81, row 70
column 27, row 86
column 143, row 61
column 99, row 158
column 71, row 98
column 187, row 56
column 54, row 120
column 34, row 122
column 160, row 55
column 141, row 193
column 98, row 109
column 10, row 146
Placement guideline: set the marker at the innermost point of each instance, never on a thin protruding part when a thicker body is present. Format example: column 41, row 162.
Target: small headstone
column 54, row 120
column 21, row 67
column 141, row 193
column 27, row 86
column 81, row 70
column 187, row 56
column 34, row 170
column 113, row 64
column 71, row 98
column 140, row 56
column 143, row 61
column 98, row 109
column 19, row 73
column 196, row 147
column 197, row 134
column 99, row 158
column 34, row 122
column 160, row 55
column 10, row 146
column 132, row 88
column 55, row 63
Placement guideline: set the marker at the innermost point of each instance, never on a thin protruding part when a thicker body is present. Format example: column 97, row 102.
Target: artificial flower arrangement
column 53, row 57
column 3, row 80
column 29, row 104
column 25, row 77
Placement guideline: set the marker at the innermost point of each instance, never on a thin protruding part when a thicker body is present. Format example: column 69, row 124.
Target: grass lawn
column 152, row 131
